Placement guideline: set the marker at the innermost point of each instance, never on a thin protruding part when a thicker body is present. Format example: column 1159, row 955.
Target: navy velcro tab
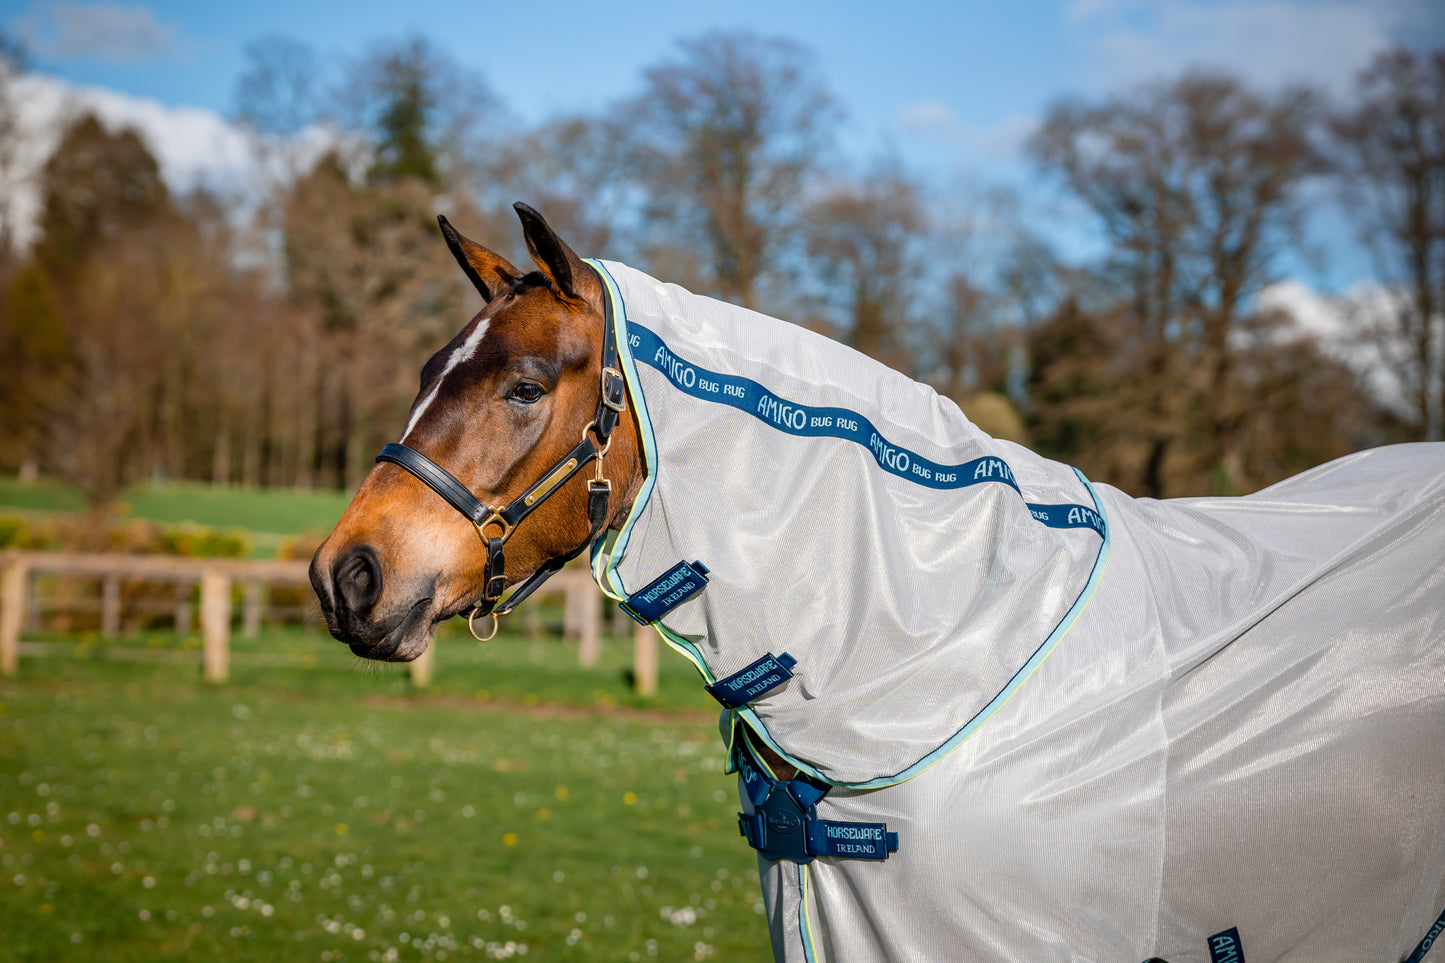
column 1225, row 947
column 761, row 677
column 667, row 591
column 850, row 840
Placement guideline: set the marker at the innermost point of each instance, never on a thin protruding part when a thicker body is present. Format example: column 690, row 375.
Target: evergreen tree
column 97, row 186
column 404, row 149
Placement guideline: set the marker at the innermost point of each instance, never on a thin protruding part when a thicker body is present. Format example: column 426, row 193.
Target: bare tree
column 1194, row 184
column 992, row 278
column 361, row 261
column 279, row 94
column 727, row 136
column 1390, row 154
column 866, row 240
column 279, row 97
column 573, row 169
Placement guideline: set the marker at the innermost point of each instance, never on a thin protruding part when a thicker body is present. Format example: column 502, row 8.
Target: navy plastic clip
column 784, row 823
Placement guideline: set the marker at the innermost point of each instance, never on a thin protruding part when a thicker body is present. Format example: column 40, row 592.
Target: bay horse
column 979, row 707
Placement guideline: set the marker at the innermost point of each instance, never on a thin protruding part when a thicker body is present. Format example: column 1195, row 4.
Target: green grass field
column 47, row 496
column 274, row 512
column 261, row 511
column 315, row 808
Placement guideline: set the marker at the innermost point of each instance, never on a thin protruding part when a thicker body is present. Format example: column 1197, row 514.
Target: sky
column 951, row 89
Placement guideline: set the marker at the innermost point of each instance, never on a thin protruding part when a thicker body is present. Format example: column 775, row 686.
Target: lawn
column 264, row 511
column 316, row 808
column 258, row 510
column 46, row 496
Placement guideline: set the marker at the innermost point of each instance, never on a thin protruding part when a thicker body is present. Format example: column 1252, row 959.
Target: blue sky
column 950, row 88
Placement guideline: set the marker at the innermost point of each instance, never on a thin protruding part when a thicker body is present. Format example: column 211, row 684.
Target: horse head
column 500, row 409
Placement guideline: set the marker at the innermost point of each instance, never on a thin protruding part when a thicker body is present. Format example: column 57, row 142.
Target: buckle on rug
column 785, row 825
column 777, row 828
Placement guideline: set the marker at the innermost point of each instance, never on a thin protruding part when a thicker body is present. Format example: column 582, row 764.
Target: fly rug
column 1021, row 716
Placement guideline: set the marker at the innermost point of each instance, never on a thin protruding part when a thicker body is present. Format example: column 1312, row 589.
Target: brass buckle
column 611, row 376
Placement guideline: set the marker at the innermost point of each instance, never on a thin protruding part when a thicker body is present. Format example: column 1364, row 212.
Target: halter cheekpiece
column 495, row 525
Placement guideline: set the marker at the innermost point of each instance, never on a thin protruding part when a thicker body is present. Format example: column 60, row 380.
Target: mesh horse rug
column 1034, row 718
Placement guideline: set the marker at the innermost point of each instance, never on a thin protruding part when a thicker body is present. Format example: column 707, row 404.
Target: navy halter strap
column 495, row 525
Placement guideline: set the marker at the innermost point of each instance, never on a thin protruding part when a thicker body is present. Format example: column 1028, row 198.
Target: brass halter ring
column 473, row 629
column 597, row 470
column 493, row 519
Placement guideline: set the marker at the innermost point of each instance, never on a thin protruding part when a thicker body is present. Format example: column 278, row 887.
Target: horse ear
column 558, row 261
column 485, row 269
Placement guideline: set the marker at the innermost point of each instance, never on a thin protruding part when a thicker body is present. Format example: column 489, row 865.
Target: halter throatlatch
column 495, row 525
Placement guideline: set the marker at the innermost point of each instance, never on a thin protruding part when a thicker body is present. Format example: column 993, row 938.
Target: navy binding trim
column 1226, row 947
column 792, row 418
column 1435, row 932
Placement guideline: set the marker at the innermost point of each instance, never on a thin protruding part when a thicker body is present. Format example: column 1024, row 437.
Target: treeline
column 151, row 335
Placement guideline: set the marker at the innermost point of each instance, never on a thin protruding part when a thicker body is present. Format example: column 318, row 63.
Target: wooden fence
column 216, row 577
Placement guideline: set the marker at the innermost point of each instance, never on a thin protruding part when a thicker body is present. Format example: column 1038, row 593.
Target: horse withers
column 980, row 708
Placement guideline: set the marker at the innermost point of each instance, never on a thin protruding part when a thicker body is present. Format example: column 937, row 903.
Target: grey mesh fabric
column 1103, row 728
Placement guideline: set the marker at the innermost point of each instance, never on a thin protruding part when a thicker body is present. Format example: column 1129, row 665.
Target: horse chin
column 406, row 640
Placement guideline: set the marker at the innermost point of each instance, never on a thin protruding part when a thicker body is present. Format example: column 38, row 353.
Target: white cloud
column 1005, row 140
column 1267, row 42
column 1351, row 328
column 193, row 146
column 116, row 32
column 933, row 119
column 928, row 116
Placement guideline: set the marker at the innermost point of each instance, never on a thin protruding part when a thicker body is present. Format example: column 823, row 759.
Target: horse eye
column 527, row 392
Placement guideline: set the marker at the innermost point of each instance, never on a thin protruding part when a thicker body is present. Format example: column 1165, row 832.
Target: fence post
column 12, row 613
column 110, row 605
column 33, row 610
column 571, row 615
column 252, row 607
column 216, row 624
column 421, row 666
column 644, row 660
column 589, row 614
column 183, row 607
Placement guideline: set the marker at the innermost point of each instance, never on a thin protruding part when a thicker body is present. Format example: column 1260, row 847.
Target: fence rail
column 216, row 576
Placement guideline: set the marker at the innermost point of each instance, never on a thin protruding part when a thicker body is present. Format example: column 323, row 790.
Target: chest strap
column 784, row 823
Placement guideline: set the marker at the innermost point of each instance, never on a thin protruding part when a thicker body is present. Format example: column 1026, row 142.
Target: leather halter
column 495, row 525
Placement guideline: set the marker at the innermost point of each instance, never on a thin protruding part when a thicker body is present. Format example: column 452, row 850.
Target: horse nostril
column 358, row 580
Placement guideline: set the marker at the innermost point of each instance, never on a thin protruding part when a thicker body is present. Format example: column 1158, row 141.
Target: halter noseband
column 611, row 402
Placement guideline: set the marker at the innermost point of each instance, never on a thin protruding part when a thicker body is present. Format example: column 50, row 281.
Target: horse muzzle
column 352, row 594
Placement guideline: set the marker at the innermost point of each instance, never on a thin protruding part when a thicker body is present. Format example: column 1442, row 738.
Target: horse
column 979, row 707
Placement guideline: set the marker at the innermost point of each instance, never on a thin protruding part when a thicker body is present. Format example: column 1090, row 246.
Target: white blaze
column 463, row 353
